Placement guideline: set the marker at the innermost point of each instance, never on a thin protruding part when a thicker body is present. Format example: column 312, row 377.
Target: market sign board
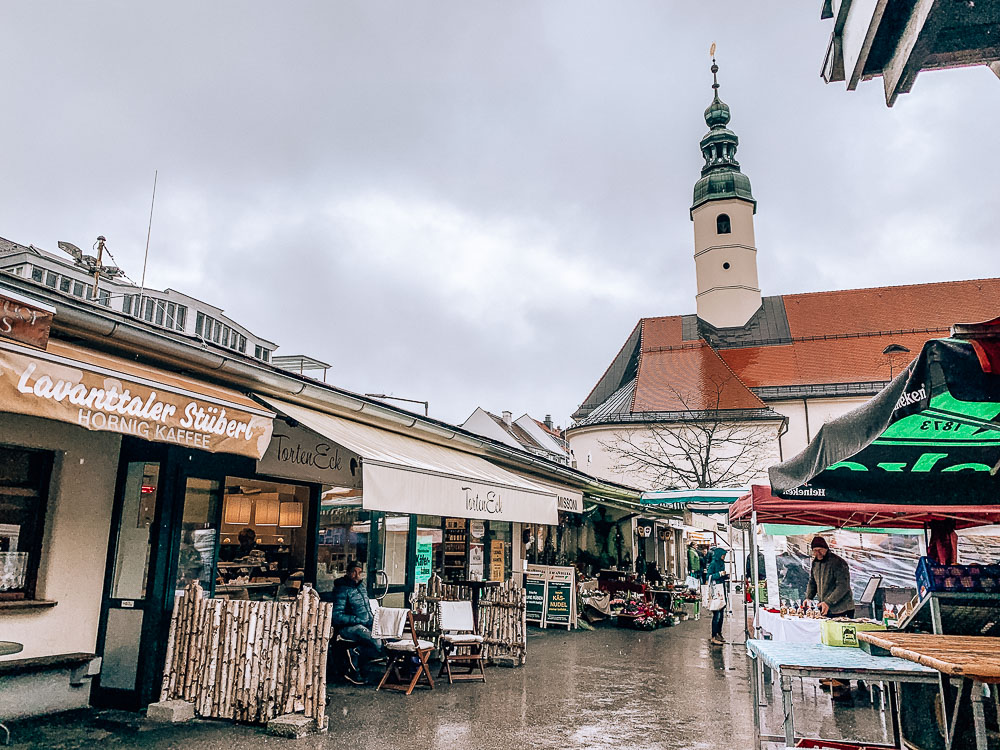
column 534, row 591
column 96, row 398
column 24, row 319
column 299, row 453
column 558, row 609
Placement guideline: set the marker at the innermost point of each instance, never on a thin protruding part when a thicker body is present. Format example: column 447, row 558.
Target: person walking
column 716, row 573
column 694, row 562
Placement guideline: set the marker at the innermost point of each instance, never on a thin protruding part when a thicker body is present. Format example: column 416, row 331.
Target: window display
column 24, row 477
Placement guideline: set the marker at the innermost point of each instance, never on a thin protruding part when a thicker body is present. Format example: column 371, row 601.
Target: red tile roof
column 689, row 379
column 892, row 308
column 837, row 337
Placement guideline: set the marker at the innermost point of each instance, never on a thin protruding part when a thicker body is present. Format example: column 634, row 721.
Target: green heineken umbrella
column 931, row 437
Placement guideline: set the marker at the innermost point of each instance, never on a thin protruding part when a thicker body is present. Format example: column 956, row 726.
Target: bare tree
column 697, row 447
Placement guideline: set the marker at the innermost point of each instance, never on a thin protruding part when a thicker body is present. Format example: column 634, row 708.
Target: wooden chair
column 460, row 644
column 400, row 655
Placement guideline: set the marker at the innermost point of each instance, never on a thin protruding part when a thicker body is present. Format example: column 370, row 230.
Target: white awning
column 401, row 474
column 567, row 500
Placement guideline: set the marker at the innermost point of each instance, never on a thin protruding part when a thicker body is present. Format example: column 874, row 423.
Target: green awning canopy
column 931, row 437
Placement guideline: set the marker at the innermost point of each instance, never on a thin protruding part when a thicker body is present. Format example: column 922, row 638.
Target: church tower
column 724, row 252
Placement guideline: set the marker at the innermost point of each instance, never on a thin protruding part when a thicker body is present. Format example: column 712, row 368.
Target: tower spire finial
column 715, row 69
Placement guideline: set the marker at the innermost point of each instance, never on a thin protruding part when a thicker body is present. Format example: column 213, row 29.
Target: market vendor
column 830, row 581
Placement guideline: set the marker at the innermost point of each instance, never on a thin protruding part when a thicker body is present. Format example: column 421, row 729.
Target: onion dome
column 721, row 177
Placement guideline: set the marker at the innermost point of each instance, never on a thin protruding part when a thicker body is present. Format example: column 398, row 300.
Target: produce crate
column 835, row 633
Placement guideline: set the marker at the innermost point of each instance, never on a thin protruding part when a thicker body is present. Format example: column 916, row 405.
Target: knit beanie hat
column 819, row 541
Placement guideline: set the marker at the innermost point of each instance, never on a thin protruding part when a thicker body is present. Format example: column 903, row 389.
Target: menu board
column 456, row 537
column 558, row 603
column 534, row 591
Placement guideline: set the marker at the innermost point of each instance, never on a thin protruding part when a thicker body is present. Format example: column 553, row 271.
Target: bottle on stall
column 784, row 608
column 800, row 612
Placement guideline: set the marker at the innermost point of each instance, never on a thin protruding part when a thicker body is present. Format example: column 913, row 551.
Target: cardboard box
column 835, row 633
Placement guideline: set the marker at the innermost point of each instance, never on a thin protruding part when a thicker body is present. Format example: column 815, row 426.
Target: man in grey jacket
column 830, row 581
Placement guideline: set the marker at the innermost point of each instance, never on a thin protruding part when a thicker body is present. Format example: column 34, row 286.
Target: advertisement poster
column 558, row 603
column 425, row 558
column 497, row 554
column 535, row 594
column 476, row 562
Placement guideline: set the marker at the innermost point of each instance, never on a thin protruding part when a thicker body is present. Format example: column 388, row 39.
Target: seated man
column 353, row 617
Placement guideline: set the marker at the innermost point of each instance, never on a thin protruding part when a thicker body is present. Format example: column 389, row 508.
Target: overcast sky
column 474, row 202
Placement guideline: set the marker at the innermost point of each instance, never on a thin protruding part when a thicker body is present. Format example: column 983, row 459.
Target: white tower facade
column 725, row 252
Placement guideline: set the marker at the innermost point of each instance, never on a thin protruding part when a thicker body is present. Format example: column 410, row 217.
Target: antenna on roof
column 149, row 231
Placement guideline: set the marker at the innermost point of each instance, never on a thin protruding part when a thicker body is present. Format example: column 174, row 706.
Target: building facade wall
column 591, row 448
column 806, row 416
column 75, row 541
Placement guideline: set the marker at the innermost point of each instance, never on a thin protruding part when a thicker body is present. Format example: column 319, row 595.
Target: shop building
column 222, row 469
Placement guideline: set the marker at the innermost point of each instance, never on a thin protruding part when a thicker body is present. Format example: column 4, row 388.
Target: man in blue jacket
column 353, row 617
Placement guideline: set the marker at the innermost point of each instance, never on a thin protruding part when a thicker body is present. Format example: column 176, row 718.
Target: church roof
column 797, row 345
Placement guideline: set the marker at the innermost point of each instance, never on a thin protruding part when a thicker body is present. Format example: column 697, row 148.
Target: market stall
column 921, row 453
column 788, row 661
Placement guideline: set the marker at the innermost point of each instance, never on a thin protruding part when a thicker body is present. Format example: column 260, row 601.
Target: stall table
column 790, row 660
column 974, row 660
column 790, row 629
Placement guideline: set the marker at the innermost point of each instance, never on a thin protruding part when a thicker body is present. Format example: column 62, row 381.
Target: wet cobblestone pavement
column 601, row 689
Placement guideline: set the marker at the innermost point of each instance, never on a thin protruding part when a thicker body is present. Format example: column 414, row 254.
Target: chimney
column 548, row 421
column 507, row 417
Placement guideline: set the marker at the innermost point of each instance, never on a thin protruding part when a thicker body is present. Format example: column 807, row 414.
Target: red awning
column 806, row 512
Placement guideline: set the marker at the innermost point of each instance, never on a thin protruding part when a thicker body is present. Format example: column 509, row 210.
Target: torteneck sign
column 24, row 320
column 487, row 502
column 106, row 401
column 300, row 453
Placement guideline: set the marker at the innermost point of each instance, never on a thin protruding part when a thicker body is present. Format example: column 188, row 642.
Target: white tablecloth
column 790, row 629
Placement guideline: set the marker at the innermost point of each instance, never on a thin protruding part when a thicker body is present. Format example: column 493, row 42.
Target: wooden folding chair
column 400, row 655
column 460, row 644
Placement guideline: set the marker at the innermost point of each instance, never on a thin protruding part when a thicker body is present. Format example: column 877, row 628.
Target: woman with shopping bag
column 717, row 577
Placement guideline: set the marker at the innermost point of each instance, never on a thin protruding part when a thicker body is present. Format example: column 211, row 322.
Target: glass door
column 392, row 565
column 127, row 596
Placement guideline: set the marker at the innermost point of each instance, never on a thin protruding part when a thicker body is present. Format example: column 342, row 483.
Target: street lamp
column 398, row 398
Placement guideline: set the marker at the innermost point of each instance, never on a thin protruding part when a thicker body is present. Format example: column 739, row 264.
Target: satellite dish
column 69, row 247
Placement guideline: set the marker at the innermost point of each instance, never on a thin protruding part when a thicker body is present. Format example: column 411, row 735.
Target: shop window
column 263, row 545
column 723, row 225
column 24, row 480
column 199, row 532
column 344, row 531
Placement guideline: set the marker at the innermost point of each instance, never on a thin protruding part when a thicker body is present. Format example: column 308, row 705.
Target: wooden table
column 975, row 660
column 790, row 660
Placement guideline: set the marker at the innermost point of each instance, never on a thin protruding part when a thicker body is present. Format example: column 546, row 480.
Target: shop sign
column 425, row 558
column 301, row 454
column 534, row 594
column 25, row 320
column 558, row 608
column 106, row 401
column 497, row 553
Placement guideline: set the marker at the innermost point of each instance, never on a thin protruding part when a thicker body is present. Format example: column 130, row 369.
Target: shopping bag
column 718, row 597
column 692, row 583
column 706, row 594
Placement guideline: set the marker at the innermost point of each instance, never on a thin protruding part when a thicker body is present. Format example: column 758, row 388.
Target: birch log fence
column 248, row 661
column 501, row 615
